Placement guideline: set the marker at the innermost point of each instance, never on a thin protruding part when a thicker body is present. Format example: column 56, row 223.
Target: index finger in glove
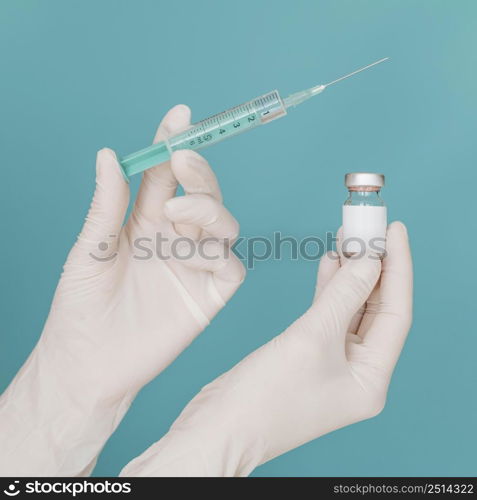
column 205, row 212
column 196, row 176
column 391, row 323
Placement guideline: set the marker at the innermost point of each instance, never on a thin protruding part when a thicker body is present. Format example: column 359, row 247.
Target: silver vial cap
column 364, row 179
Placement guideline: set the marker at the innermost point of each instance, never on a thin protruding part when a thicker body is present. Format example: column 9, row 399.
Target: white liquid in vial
column 364, row 228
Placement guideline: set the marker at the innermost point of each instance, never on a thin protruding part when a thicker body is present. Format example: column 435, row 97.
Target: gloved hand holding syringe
column 251, row 114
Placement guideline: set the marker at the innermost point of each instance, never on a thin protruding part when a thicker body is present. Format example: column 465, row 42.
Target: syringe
column 251, row 114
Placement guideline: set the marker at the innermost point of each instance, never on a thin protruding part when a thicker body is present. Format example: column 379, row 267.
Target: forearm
column 210, row 438
column 48, row 429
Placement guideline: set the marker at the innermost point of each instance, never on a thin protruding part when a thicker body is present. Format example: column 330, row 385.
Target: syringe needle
column 354, row 72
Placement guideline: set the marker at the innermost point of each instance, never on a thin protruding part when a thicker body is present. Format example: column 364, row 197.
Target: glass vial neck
column 364, row 195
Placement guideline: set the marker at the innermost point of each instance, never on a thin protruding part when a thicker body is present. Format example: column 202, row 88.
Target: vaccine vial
column 364, row 215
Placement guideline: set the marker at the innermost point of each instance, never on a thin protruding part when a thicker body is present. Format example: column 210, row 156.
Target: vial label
column 364, row 228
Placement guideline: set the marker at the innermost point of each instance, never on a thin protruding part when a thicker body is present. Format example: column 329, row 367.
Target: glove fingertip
column 108, row 168
column 398, row 226
column 182, row 111
column 172, row 207
column 177, row 118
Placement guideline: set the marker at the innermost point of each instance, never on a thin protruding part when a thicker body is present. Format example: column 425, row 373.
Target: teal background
column 77, row 76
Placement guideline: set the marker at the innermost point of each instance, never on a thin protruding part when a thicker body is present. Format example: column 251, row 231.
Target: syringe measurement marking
column 243, row 115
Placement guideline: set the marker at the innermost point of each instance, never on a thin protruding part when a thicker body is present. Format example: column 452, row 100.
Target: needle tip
column 357, row 71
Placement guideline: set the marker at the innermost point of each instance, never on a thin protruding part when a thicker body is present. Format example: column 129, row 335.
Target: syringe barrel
column 234, row 121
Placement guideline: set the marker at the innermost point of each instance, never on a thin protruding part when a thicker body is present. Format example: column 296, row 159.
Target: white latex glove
column 117, row 320
column 312, row 379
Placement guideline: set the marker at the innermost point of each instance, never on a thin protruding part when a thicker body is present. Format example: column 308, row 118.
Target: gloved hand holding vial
column 328, row 369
